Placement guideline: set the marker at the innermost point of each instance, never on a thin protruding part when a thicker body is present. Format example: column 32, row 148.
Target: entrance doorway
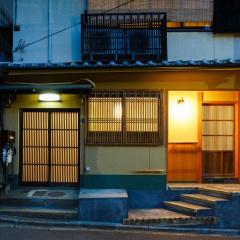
column 218, row 123
column 203, row 136
column 49, row 147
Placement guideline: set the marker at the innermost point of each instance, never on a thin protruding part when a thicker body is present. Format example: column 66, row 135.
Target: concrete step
column 188, row 208
column 36, row 212
column 215, row 192
column 221, row 180
column 47, row 203
column 202, row 200
column 43, row 198
column 163, row 217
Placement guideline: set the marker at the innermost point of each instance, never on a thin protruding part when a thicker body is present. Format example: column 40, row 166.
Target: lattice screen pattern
column 218, row 128
column 177, row 10
column 50, row 147
column 218, row 134
column 124, row 118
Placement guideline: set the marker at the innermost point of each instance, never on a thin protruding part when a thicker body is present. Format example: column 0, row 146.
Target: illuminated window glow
column 124, row 117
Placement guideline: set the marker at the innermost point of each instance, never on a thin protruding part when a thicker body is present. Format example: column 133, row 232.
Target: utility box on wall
column 7, row 151
column 7, row 140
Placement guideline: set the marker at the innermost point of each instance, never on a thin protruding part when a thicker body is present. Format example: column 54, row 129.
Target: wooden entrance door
column 49, row 148
column 218, row 129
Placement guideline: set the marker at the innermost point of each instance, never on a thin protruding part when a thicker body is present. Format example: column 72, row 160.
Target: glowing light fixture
column 180, row 100
column 49, row 97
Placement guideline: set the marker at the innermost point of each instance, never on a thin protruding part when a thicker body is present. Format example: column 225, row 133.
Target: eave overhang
column 100, row 67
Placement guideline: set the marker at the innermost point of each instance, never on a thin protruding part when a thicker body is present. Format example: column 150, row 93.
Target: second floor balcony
column 124, row 36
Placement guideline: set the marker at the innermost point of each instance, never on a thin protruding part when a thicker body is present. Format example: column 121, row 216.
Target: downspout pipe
column 15, row 13
column 49, row 31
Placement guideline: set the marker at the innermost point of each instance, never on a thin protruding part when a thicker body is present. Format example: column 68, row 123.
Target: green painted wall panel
column 157, row 182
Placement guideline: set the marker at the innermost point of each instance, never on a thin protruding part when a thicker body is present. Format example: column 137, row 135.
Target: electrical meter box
column 7, row 147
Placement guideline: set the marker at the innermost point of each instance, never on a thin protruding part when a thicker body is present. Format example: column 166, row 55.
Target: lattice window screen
column 218, row 128
column 124, row 117
column 104, row 114
column 177, row 10
column 50, row 152
column 142, row 114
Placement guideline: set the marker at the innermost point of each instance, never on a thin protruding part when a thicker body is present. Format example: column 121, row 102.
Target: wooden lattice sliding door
column 49, row 147
column 218, row 130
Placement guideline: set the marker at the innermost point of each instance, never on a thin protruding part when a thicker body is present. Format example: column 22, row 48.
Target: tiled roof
column 124, row 64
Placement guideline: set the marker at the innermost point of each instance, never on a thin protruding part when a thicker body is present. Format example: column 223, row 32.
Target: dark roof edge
column 228, row 63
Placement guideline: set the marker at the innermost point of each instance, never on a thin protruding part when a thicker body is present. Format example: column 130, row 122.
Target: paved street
column 12, row 233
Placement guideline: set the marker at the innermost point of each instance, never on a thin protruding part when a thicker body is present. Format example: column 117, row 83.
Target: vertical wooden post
column 199, row 163
column 237, row 135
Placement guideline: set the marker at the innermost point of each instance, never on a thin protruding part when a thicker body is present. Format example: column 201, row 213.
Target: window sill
column 151, row 171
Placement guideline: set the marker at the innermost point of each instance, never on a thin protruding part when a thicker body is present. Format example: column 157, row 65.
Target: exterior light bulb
column 49, row 97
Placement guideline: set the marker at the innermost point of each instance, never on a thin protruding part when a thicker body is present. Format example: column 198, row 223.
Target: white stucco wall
column 202, row 45
column 37, row 18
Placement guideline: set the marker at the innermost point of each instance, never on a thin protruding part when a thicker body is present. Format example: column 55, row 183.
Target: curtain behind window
column 226, row 17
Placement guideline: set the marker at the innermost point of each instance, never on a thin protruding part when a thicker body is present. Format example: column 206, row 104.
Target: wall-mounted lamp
column 49, row 97
column 180, row 100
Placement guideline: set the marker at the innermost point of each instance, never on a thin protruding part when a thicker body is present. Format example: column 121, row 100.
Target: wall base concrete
column 227, row 213
column 103, row 205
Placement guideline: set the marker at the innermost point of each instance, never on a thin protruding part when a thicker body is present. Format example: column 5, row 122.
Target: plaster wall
column 37, row 19
column 202, row 46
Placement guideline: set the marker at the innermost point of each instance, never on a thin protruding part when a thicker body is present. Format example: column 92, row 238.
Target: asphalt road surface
column 9, row 232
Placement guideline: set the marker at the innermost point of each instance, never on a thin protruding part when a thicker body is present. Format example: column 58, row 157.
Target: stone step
column 202, row 200
column 188, row 208
column 164, row 217
column 215, row 192
column 36, row 212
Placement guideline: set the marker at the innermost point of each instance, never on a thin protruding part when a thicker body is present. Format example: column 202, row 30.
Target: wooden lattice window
column 124, row 117
column 218, row 129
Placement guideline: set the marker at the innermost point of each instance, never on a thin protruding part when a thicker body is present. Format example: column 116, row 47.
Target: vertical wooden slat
column 124, row 117
column 64, row 134
column 36, row 151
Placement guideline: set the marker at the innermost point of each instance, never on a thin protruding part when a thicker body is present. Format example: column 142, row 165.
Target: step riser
column 45, row 203
column 63, row 216
column 197, row 201
column 214, row 194
column 200, row 213
column 173, row 222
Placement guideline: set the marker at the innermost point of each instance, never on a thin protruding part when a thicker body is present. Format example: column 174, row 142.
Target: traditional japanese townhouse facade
column 149, row 93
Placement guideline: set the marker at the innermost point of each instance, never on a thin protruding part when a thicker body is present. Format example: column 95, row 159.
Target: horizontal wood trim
column 151, row 171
